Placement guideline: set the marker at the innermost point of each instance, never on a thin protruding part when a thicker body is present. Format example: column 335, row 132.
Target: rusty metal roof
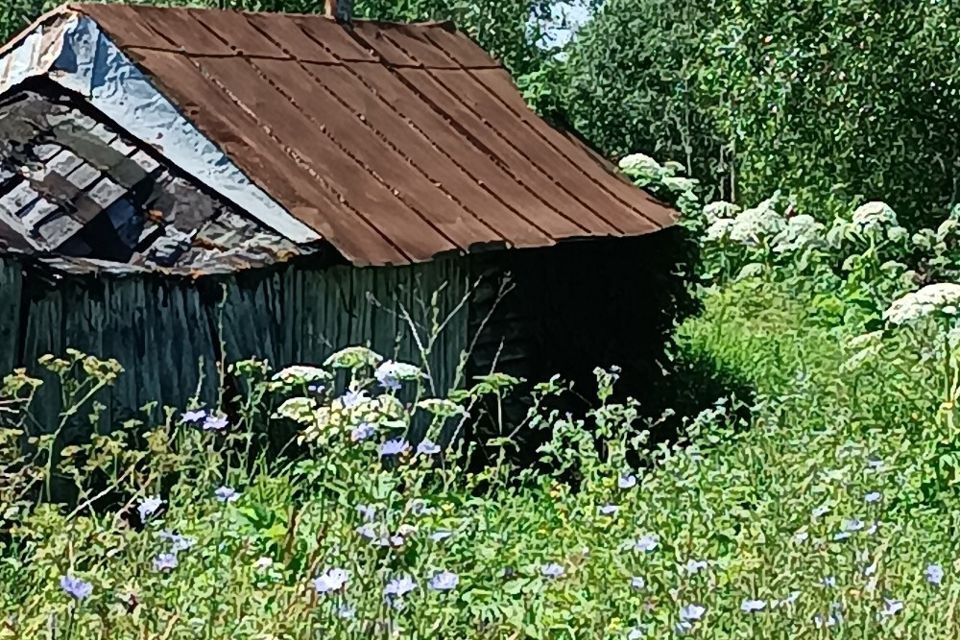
column 394, row 143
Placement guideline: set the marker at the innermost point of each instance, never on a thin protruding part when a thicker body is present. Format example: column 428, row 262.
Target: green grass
column 736, row 497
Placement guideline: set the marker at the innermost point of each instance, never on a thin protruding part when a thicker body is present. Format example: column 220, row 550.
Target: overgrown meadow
column 822, row 505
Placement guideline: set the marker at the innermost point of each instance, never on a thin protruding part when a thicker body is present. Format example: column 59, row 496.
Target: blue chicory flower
column 193, row 416
column 646, row 543
column 165, row 562
column 891, row 606
column 627, row 481
column 829, row 581
column 692, row 612
column 399, row 586
column 149, row 507
column 852, row 525
column 820, row 511
column 934, row 574
column 552, row 570
column 353, row 397
column 346, row 612
column 682, row 628
column 226, row 494
column 362, row 432
column 367, row 512
column 608, row 509
column 386, row 376
column 873, row 496
column 695, row 566
column 752, row 606
column 330, row 580
column 444, row 581
column 215, row 423
column 394, row 447
column 428, row 448
column 440, row 535
column 77, row 588
column 177, row 542
column 637, row 582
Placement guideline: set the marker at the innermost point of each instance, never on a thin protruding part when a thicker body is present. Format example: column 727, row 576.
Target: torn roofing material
column 394, row 143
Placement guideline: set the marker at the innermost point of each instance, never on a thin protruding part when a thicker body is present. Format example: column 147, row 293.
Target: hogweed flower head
column 930, row 300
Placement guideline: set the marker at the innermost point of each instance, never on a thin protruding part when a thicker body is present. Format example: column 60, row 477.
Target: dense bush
column 830, row 101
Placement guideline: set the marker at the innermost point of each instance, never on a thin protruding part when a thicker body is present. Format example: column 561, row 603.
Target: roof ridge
column 79, row 7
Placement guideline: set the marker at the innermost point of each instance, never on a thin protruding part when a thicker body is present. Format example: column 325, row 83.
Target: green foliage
column 830, row 101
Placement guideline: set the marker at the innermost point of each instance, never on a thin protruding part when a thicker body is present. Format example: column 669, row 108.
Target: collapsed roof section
column 392, row 143
column 76, row 187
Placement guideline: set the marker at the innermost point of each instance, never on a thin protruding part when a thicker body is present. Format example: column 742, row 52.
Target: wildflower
column 400, row 586
column 330, row 580
column 215, row 423
column 801, row 536
column 627, row 481
column 875, row 464
column 440, row 535
column 77, row 588
column 820, row 511
column 637, row 582
column 194, row 416
column 368, row 531
column 692, row 612
column 842, row 535
column 367, row 512
column 444, row 581
column 682, row 627
column 891, row 606
column 852, row 525
column 829, row 581
column 353, row 358
column 872, row 529
column 719, row 210
column 165, row 562
column 428, row 448
column 934, row 574
column 346, row 612
column 646, row 543
column 263, row 563
column 149, row 507
column 352, row 398
column 920, row 304
column 226, row 494
column 752, row 606
column 394, row 447
column 299, row 374
column 694, row 566
column 362, row 431
column 552, row 570
column 608, row 509
column 636, row 634
column 834, row 617
column 873, row 496
column 177, row 542
column 754, row 225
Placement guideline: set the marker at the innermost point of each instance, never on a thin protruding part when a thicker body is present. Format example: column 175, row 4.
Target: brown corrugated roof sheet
column 396, row 143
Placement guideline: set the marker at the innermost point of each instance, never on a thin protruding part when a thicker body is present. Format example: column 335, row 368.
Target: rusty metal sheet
column 423, row 152
column 334, row 39
column 458, row 46
column 284, row 32
column 397, row 44
column 236, row 32
column 539, row 150
column 509, row 144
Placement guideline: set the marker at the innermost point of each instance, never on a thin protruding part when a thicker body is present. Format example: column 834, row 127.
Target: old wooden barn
column 181, row 188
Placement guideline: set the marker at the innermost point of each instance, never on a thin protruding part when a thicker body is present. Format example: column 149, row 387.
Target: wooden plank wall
column 170, row 334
